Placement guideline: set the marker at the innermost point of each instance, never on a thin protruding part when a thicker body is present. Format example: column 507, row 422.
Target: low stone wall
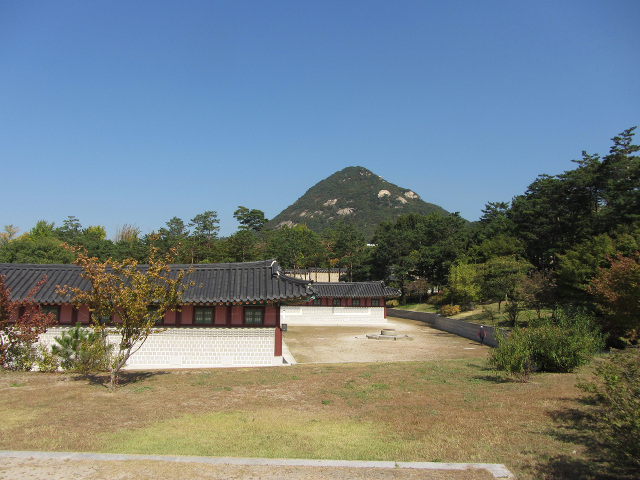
column 452, row 325
column 328, row 316
column 198, row 348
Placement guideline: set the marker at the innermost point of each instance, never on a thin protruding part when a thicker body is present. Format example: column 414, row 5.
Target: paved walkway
column 65, row 465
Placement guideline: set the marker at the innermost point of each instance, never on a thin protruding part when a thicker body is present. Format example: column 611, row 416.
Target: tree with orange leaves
column 126, row 301
column 617, row 291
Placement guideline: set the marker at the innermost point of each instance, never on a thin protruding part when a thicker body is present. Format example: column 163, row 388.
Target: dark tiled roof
column 353, row 289
column 214, row 283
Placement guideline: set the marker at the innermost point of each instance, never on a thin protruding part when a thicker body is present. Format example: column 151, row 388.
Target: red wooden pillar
column 278, row 334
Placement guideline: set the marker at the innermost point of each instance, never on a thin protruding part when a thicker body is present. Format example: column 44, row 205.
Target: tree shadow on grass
column 124, row 378
column 578, row 426
column 491, row 375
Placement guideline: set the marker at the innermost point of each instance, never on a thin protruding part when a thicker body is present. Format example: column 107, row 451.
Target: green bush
column 440, row 298
column 513, row 353
column 392, row 303
column 449, row 310
column 80, row 350
column 93, row 357
column 46, row 360
column 616, row 392
column 19, row 356
column 558, row 344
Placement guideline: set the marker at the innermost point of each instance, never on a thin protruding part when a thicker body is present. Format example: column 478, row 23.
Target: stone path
column 18, row 465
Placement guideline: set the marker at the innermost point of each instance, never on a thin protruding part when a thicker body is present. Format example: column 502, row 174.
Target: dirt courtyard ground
column 350, row 344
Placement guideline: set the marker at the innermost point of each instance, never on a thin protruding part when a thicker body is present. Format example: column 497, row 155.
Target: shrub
column 93, row 356
column 440, row 298
column 19, row 356
column 616, row 392
column 46, row 360
column 558, row 344
column 449, row 310
column 21, row 322
column 513, row 353
column 392, row 303
column 565, row 342
column 79, row 350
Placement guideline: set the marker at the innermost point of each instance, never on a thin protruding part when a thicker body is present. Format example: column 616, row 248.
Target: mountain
column 355, row 195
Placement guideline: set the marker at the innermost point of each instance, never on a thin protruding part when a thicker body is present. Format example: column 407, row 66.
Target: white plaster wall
column 186, row 347
column 316, row 315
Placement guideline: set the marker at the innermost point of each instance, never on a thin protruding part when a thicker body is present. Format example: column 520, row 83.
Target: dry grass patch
column 450, row 411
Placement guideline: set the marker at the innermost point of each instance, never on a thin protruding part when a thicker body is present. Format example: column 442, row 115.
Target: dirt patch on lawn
column 416, row 341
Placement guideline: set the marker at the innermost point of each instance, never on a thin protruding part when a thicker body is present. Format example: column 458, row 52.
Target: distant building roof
column 214, row 282
column 353, row 289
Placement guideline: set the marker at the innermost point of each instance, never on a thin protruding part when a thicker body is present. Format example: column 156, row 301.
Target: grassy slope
column 451, row 411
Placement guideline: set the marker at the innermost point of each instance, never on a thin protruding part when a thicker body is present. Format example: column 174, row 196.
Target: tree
column 600, row 195
column 617, row 292
column 494, row 220
column 204, row 236
column 39, row 249
column 419, row 246
column 620, row 173
column 8, row 234
column 42, row 229
column 134, row 296
column 464, row 285
column 70, row 229
column 580, row 264
column 344, row 242
column 242, row 246
column 536, row 291
column 294, row 247
column 250, row 219
column 127, row 233
column 21, row 322
column 500, row 277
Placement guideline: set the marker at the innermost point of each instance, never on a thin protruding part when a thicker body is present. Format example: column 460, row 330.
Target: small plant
column 440, row 298
column 490, row 313
column 20, row 356
column 449, row 310
column 46, row 360
column 512, row 309
column 392, row 303
column 80, row 350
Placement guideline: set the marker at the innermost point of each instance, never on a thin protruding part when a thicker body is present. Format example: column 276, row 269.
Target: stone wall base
column 186, row 347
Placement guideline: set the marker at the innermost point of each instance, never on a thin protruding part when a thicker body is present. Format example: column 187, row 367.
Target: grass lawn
column 446, row 411
column 485, row 314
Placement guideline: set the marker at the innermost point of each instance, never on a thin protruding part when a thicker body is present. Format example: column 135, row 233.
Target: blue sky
column 133, row 112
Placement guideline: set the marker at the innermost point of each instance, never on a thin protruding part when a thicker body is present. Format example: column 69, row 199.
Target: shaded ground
column 350, row 344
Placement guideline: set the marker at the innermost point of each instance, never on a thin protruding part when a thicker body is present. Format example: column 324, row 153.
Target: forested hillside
column 356, row 196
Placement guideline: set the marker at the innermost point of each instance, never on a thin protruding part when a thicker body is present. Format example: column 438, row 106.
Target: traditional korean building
column 342, row 304
column 229, row 317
